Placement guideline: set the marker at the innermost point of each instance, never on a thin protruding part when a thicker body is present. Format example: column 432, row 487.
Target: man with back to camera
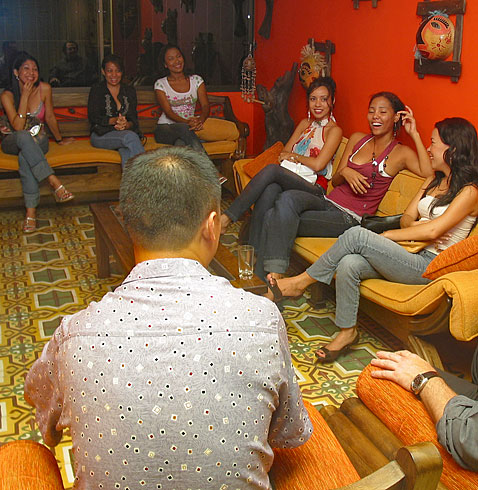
column 176, row 379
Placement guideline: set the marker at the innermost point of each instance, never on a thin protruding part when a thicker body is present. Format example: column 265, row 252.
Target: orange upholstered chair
column 320, row 464
column 28, row 465
column 408, row 419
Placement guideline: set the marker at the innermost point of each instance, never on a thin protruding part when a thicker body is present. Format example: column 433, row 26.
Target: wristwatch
column 421, row 380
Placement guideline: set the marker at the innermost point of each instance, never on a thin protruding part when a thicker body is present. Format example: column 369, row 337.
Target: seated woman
column 28, row 96
column 177, row 94
column 306, row 162
column 365, row 172
column 112, row 112
column 443, row 212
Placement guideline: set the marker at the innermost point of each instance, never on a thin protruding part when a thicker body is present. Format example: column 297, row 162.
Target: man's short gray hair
column 166, row 194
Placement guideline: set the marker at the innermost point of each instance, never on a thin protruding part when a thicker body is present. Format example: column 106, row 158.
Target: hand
column 120, row 123
column 66, row 141
column 408, row 121
column 195, row 123
column 27, row 89
column 286, row 155
column 400, row 367
column 357, row 182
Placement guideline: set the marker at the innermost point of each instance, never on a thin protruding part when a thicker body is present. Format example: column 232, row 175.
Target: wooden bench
column 94, row 174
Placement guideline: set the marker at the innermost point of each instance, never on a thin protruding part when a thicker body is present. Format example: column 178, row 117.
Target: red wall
column 374, row 52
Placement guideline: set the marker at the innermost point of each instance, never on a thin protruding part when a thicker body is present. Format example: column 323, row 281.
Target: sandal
column 64, row 195
column 275, row 289
column 332, row 355
column 29, row 225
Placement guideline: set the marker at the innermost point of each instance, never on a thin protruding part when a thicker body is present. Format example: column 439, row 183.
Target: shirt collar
column 166, row 268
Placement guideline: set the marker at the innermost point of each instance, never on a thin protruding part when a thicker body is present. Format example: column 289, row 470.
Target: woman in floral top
column 178, row 94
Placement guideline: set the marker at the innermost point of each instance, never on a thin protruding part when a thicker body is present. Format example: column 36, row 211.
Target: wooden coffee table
column 111, row 238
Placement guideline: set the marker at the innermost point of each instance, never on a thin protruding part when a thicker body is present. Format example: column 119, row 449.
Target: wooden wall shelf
column 357, row 3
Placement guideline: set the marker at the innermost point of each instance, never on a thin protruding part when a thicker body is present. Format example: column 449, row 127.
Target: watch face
column 417, row 383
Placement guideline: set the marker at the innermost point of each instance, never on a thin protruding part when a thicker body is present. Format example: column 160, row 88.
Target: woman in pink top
column 28, row 96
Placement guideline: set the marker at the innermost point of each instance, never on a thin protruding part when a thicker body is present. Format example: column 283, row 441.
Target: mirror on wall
column 69, row 38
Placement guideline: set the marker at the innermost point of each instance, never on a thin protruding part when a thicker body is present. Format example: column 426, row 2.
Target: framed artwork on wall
column 435, row 14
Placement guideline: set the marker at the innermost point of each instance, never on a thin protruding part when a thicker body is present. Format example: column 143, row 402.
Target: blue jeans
column 296, row 213
column 177, row 134
column 361, row 254
column 126, row 142
column 263, row 191
column 32, row 164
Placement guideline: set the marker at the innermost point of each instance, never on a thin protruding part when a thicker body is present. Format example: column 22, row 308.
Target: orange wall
column 374, row 51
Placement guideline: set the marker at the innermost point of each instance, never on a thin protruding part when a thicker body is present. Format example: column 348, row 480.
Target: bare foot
column 225, row 222
column 291, row 286
column 345, row 337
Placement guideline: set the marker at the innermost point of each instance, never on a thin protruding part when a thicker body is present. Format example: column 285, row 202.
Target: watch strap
column 424, row 378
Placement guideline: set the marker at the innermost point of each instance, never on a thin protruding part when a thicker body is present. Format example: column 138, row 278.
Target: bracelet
column 58, row 141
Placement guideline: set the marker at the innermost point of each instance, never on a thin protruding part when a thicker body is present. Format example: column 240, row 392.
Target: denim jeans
column 32, row 164
column 361, row 254
column 263, row 191
column 126, row 142
column 177, row 134
column 297, row 213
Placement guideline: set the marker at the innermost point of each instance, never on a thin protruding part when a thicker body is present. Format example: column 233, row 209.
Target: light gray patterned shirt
column 176, row 380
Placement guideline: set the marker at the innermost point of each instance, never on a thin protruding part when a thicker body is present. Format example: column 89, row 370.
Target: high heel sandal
column 275, row 289
column 332, row 355
column 65, row 195
column 29, row 225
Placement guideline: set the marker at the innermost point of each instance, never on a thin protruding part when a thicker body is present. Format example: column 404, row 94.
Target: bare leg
column 291, row 286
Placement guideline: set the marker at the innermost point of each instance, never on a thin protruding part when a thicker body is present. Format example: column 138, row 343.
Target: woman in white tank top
column 443, row 212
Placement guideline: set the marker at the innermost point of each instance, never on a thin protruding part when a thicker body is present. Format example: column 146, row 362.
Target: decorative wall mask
column 438, row 37
column 170, row 26
column 435, row 38
column 265, row 29
column 312, row 65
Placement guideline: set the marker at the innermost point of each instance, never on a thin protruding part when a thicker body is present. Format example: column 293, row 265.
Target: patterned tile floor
column 52, row 273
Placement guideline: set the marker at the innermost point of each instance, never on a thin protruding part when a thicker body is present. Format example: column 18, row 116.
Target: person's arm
column 131, row 117
column 42, row 391
column 464, row 204
column 50, row 118
column 421, row 164
column 17, row 118
column 455, row 416
column 402, row 367
column 204, row 103
column 411, row 215
column 344, row 174
column 290, row 423
column 332, row 140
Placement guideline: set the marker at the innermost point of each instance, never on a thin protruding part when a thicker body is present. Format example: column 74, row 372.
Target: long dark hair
column 14, row 86
column 396, row 103
column 461, row 156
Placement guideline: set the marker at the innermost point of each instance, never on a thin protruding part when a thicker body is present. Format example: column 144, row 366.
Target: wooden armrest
column 417, row 467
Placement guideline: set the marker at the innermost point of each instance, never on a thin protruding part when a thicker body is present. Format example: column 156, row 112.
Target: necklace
column 323, row 122
column 373, row 151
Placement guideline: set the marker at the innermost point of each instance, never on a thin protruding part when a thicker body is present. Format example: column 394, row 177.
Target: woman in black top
column 112, row 112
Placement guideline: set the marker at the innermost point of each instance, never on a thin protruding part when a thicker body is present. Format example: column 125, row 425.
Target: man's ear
column 212, row 227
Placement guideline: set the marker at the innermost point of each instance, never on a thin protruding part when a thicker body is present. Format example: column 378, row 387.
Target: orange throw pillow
column 463, row 256
column 271, row 155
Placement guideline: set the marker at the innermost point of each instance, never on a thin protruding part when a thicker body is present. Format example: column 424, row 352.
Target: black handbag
column 379, row 224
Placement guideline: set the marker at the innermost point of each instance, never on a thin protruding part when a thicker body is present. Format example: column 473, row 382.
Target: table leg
column 102, row 253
